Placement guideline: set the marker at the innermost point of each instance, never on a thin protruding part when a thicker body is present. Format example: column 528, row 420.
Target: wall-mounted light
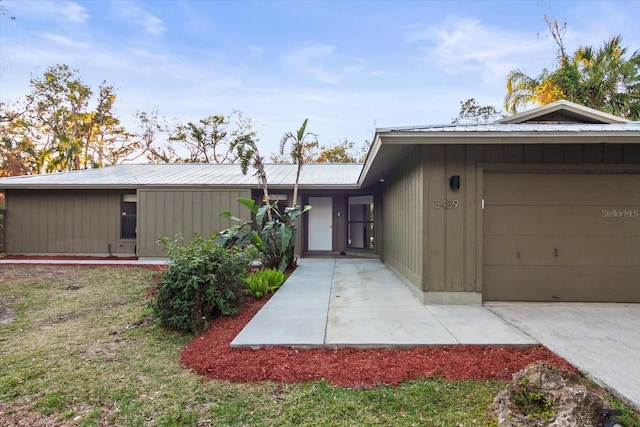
column 454, row 182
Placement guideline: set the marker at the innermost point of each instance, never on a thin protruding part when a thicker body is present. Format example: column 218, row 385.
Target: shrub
column 263, row 282
column 203, row 281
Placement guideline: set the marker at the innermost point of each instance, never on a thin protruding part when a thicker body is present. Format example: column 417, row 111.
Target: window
column 360, row 222
column 128, row 214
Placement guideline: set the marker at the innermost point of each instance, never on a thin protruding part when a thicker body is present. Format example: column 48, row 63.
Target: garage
column 561, row 237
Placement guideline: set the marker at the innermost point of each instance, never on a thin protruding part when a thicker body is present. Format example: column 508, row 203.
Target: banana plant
column 274, row 237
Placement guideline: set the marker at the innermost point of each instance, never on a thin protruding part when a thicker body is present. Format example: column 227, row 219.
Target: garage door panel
column 593, row 284
column 611, row 251
column 601, row 220
column 561, row 189
column 561, row 237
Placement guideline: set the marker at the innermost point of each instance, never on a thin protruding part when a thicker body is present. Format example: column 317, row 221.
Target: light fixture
column 454, row 182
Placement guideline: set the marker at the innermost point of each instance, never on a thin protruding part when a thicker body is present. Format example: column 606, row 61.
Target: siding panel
column 62, row 222
column 402, row 217
column 183, row 211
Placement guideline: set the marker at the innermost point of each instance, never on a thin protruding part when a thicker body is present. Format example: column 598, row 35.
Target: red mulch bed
column 211, row 356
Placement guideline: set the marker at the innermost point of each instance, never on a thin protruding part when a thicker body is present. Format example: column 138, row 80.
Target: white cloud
column 74, row 12
column 65, row 41
column 66, row 11
column 255, row 51
column 464, row 45
column 316, row 60
column 137, row 16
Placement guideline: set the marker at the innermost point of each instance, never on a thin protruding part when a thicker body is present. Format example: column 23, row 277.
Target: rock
column 544, row 395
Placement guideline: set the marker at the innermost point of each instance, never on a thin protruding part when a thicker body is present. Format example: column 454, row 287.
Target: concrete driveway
column 602, row 340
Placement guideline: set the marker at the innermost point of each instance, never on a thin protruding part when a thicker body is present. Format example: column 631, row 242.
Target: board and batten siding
column 402, row 220
column 169, row 212
column 451, row 236
column 65, row 222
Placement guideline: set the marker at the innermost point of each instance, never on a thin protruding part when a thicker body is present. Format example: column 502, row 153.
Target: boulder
column 544, row 395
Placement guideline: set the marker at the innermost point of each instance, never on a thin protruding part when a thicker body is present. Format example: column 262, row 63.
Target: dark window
column 360, row 222
column 128, row 214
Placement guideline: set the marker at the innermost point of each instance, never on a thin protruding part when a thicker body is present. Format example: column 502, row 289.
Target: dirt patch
column 211, row 356
column 19, row 415
column 7, row 314
column 34, row 273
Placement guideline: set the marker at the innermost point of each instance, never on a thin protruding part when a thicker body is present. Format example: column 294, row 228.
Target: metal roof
column 343, row 175
column 510, row 128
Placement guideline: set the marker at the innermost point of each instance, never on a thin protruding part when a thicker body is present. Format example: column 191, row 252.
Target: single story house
column 543, row 205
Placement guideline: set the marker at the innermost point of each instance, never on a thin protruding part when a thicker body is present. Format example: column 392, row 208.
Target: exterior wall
column 403, row 220
column 65, row 222
column 452, row 236
column 168, row 212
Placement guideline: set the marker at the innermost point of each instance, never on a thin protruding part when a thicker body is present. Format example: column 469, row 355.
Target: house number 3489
column 446, row 204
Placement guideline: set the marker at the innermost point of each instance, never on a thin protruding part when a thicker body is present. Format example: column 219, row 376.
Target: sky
column 347, row 66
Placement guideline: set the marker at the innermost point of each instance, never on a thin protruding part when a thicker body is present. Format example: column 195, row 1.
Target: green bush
column 202, row 282
column 263, row 282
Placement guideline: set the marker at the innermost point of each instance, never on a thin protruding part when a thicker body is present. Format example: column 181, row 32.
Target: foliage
column 344, row 151
column 64, row 124
column 212, row 139
column 248, row 154
column 86, row 357
column 62, row 127
column 534, row 404
column 297, row 141
column 274, row 237
column 263, row 282
column 602, row 78
column 471, row 111
column 203, row 281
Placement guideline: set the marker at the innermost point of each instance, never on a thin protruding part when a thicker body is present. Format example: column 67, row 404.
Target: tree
column 471, row 111
column 58, row 126
column 211, row 140
column 601, row 78
column 344, row 151
column 297, row 141
column 248, row 154
column 610, row 82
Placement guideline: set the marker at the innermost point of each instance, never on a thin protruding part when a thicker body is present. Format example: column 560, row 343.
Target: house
column 543, row 205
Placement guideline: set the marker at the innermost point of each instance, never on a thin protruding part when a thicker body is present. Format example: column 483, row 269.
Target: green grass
column 73, row 354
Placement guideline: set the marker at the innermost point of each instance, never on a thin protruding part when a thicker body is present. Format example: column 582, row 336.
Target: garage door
column 561, row 237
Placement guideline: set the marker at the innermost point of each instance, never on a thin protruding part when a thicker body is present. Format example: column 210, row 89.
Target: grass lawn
column 79, row 353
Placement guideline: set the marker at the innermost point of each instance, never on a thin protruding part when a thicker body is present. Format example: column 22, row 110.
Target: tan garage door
column 561, row 237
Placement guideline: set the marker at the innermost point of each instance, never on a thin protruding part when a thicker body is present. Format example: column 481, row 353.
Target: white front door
column 320, row 224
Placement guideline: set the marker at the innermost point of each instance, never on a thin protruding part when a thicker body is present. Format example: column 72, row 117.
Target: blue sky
column 349, row 66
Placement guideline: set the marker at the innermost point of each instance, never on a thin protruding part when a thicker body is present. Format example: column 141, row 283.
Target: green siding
column 402, row 219
column 447, row 256
column 65, row 222
column 169, row 212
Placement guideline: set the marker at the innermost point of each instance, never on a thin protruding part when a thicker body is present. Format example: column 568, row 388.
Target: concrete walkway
column 602, row 340
column 361, row 303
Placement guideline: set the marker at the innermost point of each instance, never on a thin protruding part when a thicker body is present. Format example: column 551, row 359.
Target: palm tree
column 521, row 90
column 298, row 144
column 598, row 78
column 611, row 83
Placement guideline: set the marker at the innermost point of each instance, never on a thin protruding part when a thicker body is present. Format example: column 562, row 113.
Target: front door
column 320, row 234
